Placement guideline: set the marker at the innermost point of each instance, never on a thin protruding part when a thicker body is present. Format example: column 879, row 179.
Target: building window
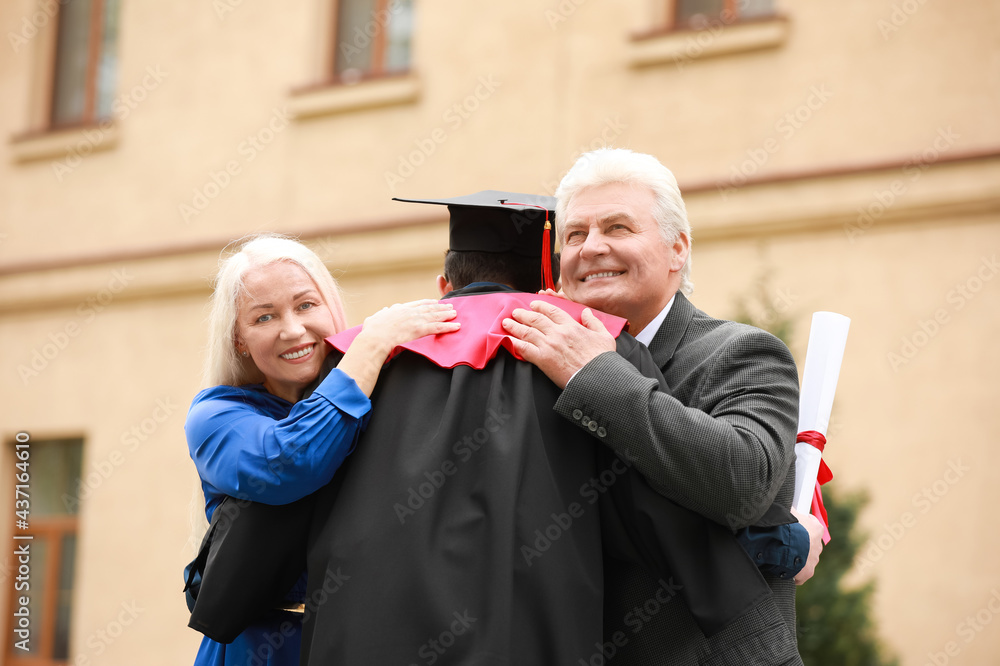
column 371, row 39
column 698, row 13
column 86, row 62
column 54, row 475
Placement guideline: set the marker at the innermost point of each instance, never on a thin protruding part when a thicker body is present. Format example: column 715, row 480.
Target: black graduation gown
column 454, row 522
column 466, row 528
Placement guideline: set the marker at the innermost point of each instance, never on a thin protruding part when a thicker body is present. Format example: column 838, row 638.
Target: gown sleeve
column 241, row 450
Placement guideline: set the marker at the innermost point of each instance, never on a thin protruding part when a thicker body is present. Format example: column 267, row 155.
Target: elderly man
column 719, row 441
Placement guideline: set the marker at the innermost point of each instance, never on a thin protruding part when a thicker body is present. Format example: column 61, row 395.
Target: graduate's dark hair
column 514, row 270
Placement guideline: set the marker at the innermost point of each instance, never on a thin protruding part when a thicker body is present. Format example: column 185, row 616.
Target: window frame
column 729, row 8
column 378, row 48
column 52, row 530
column 95, row 38
column 668, row 24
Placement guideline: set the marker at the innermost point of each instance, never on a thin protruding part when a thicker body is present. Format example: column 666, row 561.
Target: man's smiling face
column 613, row 257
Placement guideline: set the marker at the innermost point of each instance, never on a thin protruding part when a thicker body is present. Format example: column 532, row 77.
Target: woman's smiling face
column 281, row 321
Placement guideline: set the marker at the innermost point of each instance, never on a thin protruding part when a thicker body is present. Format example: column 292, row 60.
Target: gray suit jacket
column 719, row 441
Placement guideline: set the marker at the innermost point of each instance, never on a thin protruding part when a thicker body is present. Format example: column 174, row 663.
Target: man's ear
column 444, row 286
column 681, row 248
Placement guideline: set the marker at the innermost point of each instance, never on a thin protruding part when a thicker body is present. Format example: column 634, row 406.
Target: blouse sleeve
column 245, row 453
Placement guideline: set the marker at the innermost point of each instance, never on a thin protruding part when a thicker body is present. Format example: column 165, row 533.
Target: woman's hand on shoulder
column 404, row 322
column 388, row 328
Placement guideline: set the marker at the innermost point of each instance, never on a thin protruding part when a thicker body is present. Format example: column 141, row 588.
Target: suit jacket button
column 577, row 414
column 592, row 425
column 601, row 432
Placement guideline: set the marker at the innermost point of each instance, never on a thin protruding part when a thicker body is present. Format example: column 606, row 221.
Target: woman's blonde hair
column 224, row 365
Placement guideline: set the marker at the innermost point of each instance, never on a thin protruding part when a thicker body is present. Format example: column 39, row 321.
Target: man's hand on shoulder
column 815, row 529
column 552, row 340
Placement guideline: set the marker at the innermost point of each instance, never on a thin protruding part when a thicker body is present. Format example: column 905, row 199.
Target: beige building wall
column 848, row 152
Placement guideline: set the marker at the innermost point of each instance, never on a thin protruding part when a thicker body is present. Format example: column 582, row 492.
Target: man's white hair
column 223, row 364
column 619, row 165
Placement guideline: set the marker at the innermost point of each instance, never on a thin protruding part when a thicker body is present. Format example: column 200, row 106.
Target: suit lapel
column 671, row 331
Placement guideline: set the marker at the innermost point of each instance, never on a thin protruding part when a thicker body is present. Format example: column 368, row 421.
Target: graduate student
column 251, row 435
column 474, row 523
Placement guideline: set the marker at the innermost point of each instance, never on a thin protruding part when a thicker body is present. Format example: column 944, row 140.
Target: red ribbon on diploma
column 818, row 441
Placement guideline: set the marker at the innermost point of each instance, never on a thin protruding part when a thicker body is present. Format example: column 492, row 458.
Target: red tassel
column 547, row 282
column 547, row 255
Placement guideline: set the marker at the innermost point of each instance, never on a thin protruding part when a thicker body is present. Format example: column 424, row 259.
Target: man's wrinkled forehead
column 606, row 203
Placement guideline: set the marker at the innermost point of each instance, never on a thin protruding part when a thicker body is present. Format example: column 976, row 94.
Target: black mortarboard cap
column 495, row 221
column 488, row 221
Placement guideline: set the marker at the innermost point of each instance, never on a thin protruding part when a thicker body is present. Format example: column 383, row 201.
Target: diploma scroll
column 827, row 339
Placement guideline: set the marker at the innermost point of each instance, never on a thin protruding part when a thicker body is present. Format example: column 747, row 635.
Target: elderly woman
column 250, row 435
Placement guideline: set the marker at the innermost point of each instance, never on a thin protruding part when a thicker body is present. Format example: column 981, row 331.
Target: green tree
column 835, row 624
